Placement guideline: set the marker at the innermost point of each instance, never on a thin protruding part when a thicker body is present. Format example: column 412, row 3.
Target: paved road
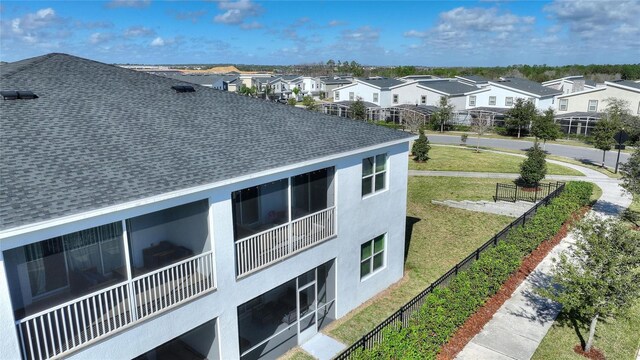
column 578, row 153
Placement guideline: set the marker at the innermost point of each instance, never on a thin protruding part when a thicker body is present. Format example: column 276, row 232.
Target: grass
column 617, row 338
column 440, row 237
column 296, row 354
column 448, row 158
column 597, row 192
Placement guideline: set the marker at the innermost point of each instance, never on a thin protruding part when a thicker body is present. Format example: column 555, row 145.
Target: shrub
column 534, row 167
column 446, row 309
column 420, row 148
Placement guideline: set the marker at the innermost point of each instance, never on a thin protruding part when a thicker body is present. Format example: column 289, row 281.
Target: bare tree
column 480, row 125
column 413, row 120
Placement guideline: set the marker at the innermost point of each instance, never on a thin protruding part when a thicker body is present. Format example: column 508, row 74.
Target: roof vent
column 183, row 88
column 15, row 95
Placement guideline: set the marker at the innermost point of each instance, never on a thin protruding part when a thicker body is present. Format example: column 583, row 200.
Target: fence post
column 496, row 198
column 477, row 254
column 456, row 269
column 495, row 240
column 535, row 195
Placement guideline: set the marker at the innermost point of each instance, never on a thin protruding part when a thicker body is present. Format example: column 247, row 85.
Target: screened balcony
column 277, row 219
column 76, row 288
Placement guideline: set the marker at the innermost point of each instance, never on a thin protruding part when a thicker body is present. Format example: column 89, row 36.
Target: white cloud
column 333, row 23
column 363, row 33
column 128, row 4
column 99, row 38
column 236, row 12
column 138, row 31
column 157, row 42
column 415, row 33
column 252, row 25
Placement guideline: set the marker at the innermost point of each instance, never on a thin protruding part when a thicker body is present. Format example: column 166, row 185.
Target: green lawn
column 440, row 237
column 617, row 338
column 447, row 158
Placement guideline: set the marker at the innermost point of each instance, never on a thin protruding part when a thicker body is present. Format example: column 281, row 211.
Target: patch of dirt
column 483, row 315
column 593, row 354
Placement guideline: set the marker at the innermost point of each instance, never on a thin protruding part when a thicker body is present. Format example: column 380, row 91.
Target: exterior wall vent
column 18, row 95
column 183, row 88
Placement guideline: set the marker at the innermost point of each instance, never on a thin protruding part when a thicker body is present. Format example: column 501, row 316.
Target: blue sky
column 430, row 33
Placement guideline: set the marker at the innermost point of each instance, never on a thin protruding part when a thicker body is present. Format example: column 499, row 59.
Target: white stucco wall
column 580, row 101
column 358, row 220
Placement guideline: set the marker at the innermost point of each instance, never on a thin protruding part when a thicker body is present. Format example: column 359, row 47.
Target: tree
column 267, row 91
column 247, row 91
column 631, row 173
column 357, row 109
column 421, row 147
column 480, row 125
column 603, row 134
column 292, row 101
column 619, row 111
column 309, row 103
column 443, row 113
column 534, row 167
column 331, row 63
column 545, row 128
column 601, row 278
column 296, row 91
column 521, row 115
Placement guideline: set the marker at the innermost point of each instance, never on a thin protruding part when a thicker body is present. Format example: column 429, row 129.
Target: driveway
column 575, row 152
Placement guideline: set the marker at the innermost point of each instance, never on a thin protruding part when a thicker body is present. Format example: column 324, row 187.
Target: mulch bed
column 593, row 354
column 477, row 321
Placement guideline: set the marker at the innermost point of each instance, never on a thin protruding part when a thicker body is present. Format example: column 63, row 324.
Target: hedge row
column 446, row 309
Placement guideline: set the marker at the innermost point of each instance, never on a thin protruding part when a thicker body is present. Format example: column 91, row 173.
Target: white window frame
column 492, row 100
column 375, row 97
column 472, row 100
column 423, row 99
column 396, row 98
column 370, row 258
column 563, row 104
column 374, row 174
column 336, row 95
column 352, row 96
column 595, row 106
column 508, row 101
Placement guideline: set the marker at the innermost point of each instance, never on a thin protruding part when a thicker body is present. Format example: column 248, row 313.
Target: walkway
column 323, row 347
column 518, row 327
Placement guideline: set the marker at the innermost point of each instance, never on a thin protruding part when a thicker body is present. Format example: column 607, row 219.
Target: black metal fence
column 401, row 317
column 514, row 192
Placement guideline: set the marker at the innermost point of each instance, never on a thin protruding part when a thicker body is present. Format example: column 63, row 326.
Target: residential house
column 327, row 86
column 222, row 83
column 207, row 80
column 460, row 95
column 595, row 100
column 410, row 78
column 473, row 80
column 141, row 216
column 376, row 91
column 502, row 94
column 570, row 84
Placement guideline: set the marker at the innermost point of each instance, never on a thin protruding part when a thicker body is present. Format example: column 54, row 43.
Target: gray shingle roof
column 528, row 86
column 100, row 135
column 475, row 78
column 449, row 87
column 383, row 83
column 628, row 83
column 198, row 79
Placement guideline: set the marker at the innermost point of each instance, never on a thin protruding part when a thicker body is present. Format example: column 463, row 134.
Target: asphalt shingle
column 100, row 135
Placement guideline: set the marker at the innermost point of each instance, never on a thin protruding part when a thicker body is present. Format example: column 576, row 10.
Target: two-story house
column 141, row 216
column 502, row 94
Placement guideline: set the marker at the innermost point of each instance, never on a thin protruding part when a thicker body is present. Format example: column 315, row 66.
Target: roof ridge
column 28, row 63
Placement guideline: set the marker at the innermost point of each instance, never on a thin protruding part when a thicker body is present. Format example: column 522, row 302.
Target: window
column 336, row 95
column 395, row 98
column 508, row 101
column 423, row 99
column 375, row 97
column 564, row 104
column 593, row 106
column 374, row 172
column 492, row 100
column 372, row 255
column 351, row 96
column 472, row 100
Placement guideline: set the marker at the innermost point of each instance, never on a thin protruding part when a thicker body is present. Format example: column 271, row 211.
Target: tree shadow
column 407, row 234
column 608, row 208
column 538, row 308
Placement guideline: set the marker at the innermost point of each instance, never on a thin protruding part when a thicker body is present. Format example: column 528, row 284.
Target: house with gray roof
column 473, row 80
column 570, row 84
column 596, row 100
column 502, row 94
column 144, row 216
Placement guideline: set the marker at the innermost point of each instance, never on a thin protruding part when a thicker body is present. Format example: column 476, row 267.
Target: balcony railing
column 63, row 328
column 264, row 248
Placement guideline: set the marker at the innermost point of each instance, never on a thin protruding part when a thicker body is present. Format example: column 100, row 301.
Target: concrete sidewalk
column 518, row 327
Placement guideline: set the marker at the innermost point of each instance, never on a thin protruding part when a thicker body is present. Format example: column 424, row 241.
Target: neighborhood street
column 575, row 152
